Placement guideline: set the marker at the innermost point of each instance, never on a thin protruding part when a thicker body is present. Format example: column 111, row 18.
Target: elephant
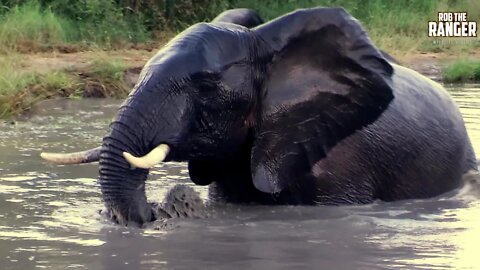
column 241, row 16
column 301, row 110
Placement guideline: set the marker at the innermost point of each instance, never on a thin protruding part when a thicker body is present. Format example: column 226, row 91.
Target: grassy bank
column 462, row 70
column 103, row 77
column 33, row 26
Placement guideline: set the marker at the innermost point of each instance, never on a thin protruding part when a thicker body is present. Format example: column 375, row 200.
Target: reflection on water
column 468, row 98
column 48, row 213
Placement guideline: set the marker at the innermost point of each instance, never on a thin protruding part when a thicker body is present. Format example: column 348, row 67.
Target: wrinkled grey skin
column 303, row 109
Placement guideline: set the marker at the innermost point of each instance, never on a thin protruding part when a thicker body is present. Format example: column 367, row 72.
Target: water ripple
column 49, row 214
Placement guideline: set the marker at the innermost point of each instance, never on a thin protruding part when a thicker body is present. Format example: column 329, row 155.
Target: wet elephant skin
column 303, row 109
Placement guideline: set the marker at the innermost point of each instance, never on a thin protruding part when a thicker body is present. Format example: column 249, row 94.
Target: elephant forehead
column 204, row 47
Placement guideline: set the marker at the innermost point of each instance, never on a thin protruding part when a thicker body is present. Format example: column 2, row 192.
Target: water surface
column 48, row 213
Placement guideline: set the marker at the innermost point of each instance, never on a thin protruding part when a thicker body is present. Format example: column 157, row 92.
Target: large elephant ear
column 326, row 81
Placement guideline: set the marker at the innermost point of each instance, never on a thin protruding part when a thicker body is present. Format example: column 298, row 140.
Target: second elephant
column 241, row 16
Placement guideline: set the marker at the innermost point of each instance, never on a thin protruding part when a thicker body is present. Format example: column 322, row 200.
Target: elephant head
column 284, row 92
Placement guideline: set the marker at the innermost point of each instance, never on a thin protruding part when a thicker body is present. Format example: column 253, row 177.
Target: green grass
column 13, row 79
column 39, row 87
column 462, row 71
column 19, row 90
column 399, row 27
column 32, row 27
column 395, row 26
column 106, row 78
column 28, row 27
column 109, row 68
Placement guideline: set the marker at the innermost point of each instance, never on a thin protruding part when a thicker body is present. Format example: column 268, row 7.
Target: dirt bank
column 428, row 64
column 433, row 64
column 87, row 78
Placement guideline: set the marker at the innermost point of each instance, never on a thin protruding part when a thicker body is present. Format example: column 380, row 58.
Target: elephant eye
column 205, row 87
column 206, row 82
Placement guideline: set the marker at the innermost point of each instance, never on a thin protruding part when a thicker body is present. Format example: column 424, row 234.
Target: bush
column 102, row 22
column 27, row 27
column 462, row 71
column 51, row 23
column 393, row 25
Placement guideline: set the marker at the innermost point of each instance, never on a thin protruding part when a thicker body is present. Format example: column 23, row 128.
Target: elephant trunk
column 123, row 188
column 137, row 130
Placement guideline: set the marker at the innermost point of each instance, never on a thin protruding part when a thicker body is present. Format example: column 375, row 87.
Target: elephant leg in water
column 180, row 201
column 303, row 109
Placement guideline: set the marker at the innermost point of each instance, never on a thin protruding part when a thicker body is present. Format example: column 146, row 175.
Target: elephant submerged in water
column 303, row 109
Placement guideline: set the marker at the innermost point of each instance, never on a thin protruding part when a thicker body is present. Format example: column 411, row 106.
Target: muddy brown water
column 48, row 213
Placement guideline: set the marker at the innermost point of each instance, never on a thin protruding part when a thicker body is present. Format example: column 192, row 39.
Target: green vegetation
column 24, row 90
column 42, row 25
column 462, row 71
column 27, row 26
column 20, row 90
column 396, row 26
column 10, row 79
column 106, row 79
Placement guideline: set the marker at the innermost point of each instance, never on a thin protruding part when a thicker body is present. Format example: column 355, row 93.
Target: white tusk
column 88, row 156
column 151, row 159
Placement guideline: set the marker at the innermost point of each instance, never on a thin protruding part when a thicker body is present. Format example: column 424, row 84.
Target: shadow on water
column 49, row 219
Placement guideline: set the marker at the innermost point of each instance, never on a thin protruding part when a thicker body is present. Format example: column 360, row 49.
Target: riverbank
column 437, row 66
column 28, row 78
column 96, row 48
column 100, row 74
